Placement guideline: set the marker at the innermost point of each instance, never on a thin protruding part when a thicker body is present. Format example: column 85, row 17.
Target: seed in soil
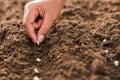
column 116, row 63
column 38, row 59
column 36, row 78
column 36, row 70
column 106, row 51
column 104, row 40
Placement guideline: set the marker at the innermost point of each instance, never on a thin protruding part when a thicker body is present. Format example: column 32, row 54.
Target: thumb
column 45, row 27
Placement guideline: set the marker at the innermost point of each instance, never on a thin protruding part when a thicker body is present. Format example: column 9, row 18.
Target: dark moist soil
column 74, row 49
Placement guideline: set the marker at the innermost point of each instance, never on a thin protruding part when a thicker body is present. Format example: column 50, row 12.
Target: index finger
column 28, row 20
column 30, row 31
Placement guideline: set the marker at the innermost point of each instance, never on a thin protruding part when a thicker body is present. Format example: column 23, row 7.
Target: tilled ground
column 82, row 45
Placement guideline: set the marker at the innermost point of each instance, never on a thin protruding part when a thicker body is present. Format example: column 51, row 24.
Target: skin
column 48, row 10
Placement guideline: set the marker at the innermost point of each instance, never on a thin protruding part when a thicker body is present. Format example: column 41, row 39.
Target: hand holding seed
column 40, row 15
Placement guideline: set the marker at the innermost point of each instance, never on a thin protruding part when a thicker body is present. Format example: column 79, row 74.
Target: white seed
column 36, row 78
column 36, row 70
column 38, row 42
column 104, row 40
column 116, row 63
column 106, row 51
column 38, row 59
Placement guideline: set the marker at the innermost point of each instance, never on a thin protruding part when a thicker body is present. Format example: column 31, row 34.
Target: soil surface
column 82, row 45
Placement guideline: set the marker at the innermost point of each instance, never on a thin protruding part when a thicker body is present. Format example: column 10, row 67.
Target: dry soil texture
column 82, row 45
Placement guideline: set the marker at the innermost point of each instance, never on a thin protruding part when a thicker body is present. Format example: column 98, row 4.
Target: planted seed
column 106, row 51
column 38, row 59
column 36, row 78
column 104, row 40
column 36, row 70
column 116, row 63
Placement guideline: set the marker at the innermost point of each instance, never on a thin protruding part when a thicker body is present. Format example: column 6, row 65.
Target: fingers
column 45, row 27
column 37, row 24
column 30, row 15
column 28, row 20
column 31, row 33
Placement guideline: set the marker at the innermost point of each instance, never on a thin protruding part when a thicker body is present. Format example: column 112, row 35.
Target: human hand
column 40, row 15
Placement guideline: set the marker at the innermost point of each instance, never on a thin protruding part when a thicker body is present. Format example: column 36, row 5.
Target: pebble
column 38, row 59
column 36, row 70
column 116, row 63
column 36, row 78
column 104, row 40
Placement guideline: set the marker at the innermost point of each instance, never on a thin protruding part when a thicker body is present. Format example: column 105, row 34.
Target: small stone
column 104, row 40
column 36, row 70
column 36, row 78
column 116, row 63
column 38, row 42
column 38, row 59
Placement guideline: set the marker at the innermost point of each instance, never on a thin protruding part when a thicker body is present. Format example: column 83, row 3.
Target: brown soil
column 74, row 49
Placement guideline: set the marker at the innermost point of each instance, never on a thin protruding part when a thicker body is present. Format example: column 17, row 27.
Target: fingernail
column 41, row 38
